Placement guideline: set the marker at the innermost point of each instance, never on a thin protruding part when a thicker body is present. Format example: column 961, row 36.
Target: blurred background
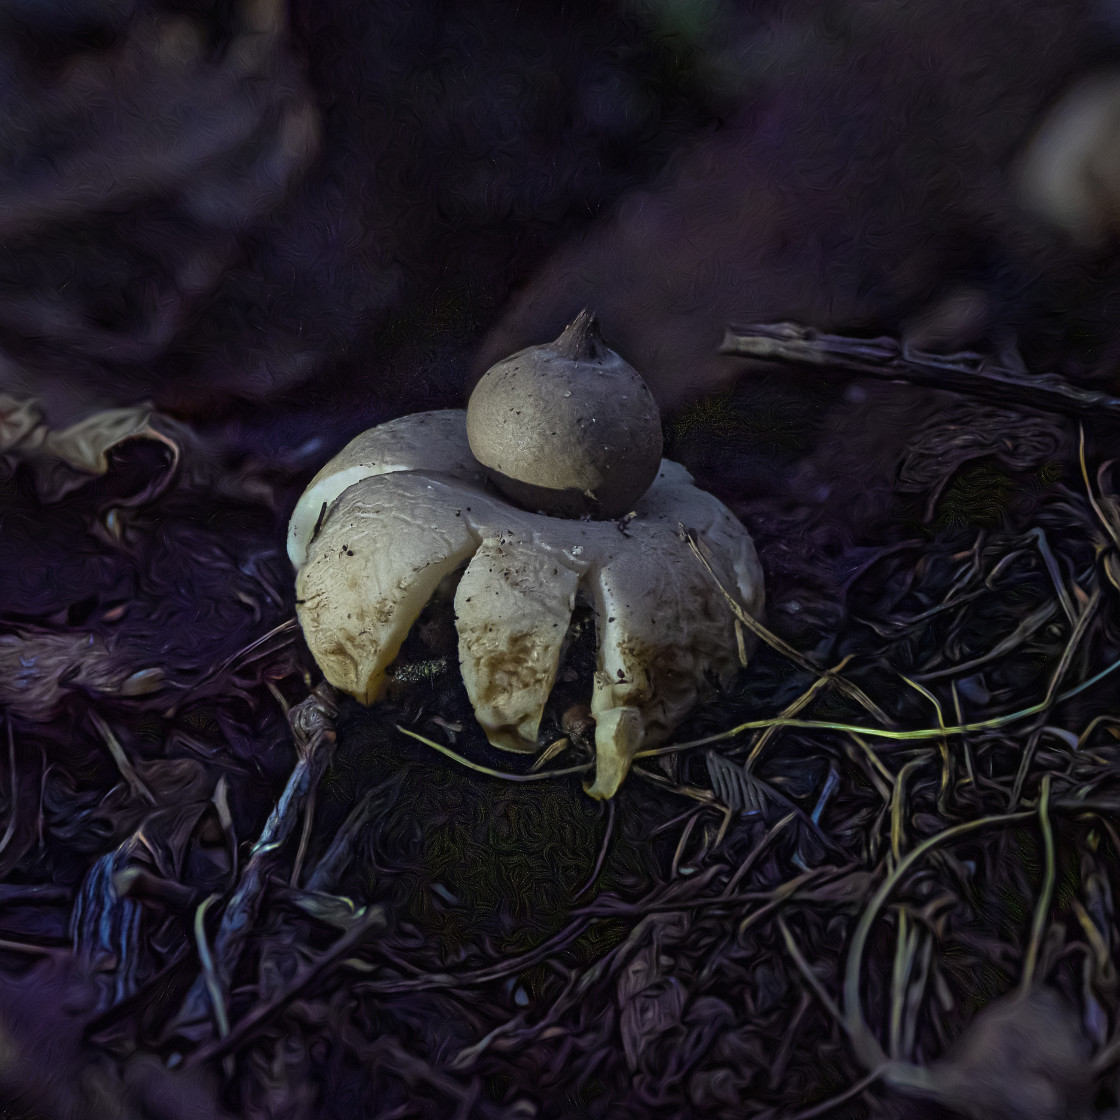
column 291, row 221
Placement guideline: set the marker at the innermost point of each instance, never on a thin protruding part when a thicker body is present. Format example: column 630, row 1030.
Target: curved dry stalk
column 774, row 642
column 1106, row 523
column 1045, row 894
column 503, row 775
column 920, row 735
column 791, row 709
column 209, row 971
column 942, row 743
column 866, row 1046
column 811, row 978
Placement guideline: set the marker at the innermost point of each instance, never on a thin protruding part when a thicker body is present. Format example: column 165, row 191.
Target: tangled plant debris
column 878, row 868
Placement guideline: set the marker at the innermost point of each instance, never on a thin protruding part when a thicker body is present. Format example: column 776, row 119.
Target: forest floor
column 873, row 878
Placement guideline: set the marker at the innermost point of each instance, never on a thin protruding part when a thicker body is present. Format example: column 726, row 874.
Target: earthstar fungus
column 406, row 505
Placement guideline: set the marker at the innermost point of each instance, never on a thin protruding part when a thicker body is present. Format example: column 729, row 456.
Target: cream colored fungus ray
column 512, row 610
column 661, row 630
column 662, row 622
column 369, row 573
column 674, row 501
column 434, row 442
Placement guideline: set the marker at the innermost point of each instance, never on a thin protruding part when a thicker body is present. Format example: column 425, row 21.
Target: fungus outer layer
column 375, row 556
column 429, row 441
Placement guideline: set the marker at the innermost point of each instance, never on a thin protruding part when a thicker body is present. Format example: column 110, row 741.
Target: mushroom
column 406, row 505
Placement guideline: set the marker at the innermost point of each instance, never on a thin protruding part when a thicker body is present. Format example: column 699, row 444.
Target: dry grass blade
column 828, row 1107
column 791, row 710
column 1106, row 522
column 124, row 763
column 811, row 978
column 260, row 647
column 776, row 643
column 13, row 797
column 264, row 1012
column 876, row 764
column 1030, row 625
column 608, row 832
column 502, row 775
column 756, row 853
column 866, row 1045
column 1072, row 645
column 1046, row 892
column 1059, row 673
column 1044, row 550
column 209, row 971
column 905, row 944
column 942, row 743
column 898, row 805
